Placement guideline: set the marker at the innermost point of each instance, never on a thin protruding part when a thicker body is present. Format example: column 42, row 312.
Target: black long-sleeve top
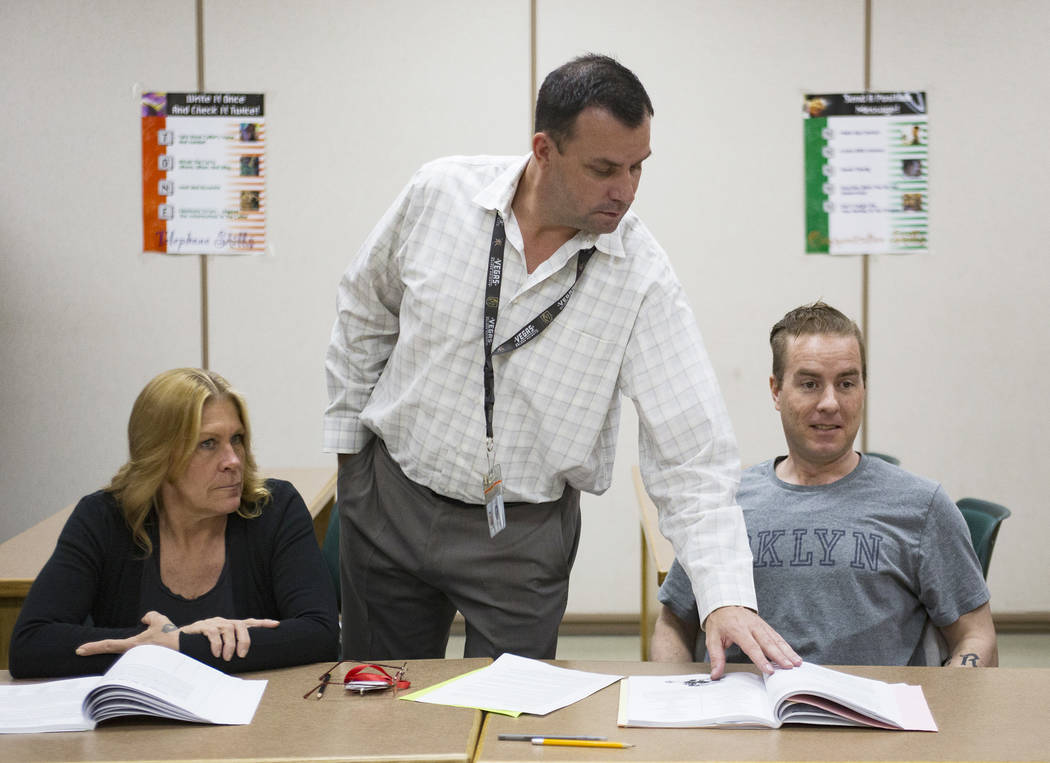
column 90, row 590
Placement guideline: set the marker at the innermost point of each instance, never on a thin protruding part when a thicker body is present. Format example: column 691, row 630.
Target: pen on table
column 530, row 737
column 578, row 743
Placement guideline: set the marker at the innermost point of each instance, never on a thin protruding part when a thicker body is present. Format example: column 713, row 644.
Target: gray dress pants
column 411, row 558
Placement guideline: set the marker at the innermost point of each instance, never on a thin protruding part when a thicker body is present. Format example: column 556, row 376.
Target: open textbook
column 807, row 694
column 146, row 680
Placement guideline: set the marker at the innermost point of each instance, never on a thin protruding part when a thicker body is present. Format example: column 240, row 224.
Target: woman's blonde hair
column 162, row 437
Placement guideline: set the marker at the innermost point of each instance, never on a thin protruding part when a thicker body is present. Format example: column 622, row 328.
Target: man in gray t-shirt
column 852, row 556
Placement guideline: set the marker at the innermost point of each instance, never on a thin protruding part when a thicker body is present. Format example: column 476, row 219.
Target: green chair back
column 330, row 548
column 983, row 518
column 885, row 457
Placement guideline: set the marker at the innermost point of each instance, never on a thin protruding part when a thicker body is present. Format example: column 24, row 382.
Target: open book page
column 809, row 708
column 807, row 694
column 163, row 682
column 50, row 706
column 851, row 698
column 694, row 700
column 512, row 685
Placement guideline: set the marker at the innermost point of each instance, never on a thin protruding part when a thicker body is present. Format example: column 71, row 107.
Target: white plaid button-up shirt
column 406, row 356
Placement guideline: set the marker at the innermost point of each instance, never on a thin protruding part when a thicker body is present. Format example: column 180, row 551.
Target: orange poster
column 203, row 173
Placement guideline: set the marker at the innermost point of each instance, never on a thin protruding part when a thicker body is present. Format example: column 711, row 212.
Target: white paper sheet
column 514, row 684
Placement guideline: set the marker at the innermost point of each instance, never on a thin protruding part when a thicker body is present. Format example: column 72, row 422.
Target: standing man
column 487, row 329
column 853, row 557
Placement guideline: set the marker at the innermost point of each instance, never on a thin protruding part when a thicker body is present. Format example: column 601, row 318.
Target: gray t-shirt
column 849, row 573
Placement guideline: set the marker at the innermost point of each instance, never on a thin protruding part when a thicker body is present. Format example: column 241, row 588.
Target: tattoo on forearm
column 169, row 627
column 968, row 659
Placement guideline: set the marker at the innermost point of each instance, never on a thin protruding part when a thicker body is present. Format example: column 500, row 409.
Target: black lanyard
column 530, row 331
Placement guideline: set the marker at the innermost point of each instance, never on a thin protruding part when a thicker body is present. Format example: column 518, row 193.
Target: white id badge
column 494, row 508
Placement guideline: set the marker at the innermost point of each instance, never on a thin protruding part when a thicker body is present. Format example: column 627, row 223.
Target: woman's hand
column 228, row 636
column 159, row 630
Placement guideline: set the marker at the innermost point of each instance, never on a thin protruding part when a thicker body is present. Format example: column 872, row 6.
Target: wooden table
column 339, row 727
column 23, row 556
column 983, row 714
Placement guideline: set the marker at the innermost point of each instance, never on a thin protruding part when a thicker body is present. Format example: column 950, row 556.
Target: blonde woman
column 187, row 547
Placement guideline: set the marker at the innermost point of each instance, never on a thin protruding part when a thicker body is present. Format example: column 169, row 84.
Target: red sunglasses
column 364, row 677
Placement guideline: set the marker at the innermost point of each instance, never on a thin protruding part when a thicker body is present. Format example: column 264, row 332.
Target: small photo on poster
column 154, row 104
column 250, row 166
column 912, row 136
column 911, row 168
column 249, row 201
column 911, row 202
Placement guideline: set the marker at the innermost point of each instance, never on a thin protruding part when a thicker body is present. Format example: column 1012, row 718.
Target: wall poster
column 203, row 173
column 867, row 173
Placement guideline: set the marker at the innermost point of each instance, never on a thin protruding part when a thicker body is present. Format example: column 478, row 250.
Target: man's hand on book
column 227, row 637
column 740, row 626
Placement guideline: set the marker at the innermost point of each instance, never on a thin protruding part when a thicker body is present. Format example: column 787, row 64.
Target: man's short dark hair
column 590, row 80
column 818, row 318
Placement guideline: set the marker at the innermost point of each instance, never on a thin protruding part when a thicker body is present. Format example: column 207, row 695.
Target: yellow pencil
column 579, row 743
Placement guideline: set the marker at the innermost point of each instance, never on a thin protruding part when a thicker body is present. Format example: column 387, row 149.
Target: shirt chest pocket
column 565, row 375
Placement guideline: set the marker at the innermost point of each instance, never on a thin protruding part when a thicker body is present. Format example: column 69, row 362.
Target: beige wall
column 360, row 93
